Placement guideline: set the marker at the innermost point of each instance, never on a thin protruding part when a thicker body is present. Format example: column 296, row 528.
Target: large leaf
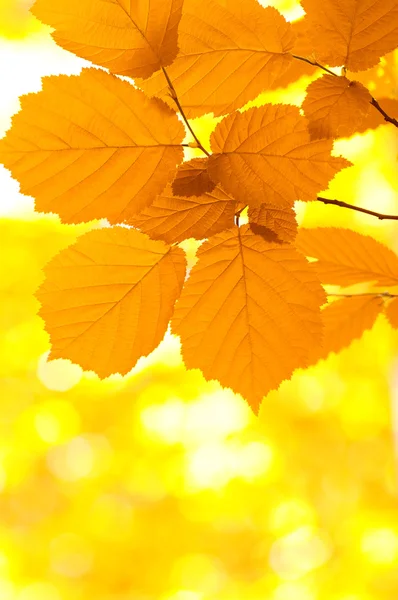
column 265, row 155
column 92, row 146
column 174, row 218
column 336, row 106
column 129, row 38
column 230, row 51
column 354, row 33
column 107, row 299
column 345, row 257
column 249, row 313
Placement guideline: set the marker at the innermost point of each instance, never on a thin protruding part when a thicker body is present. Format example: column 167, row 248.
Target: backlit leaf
column 335, row 106
column 230, row 51
column 265, row 155
column 129, row 38
column 282, row 221
column 249, row 313
column 391, row 312
column 346, row 320
column 345, row 257
column 174, row 219
column 354, row 33
column 192, row 178
column 374, row 119
column 92, row 146
column 107, row 299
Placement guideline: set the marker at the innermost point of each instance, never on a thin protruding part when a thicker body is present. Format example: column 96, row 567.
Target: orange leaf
column 335, row 106
column 346, row 320
column 229, row 53
column 92, row 146
column 249, row 313
column 391, row 312
column 192, row 178
column 174, row 219
column 346, row 257
column 107, row 299
column 129, row 38
column 280, row 221
column 375, row 118
column 265, row 155
column 354, row 33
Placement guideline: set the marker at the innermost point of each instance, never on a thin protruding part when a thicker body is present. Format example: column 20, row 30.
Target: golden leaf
column 391, row 312
column 129, row 38
column 92, row 146
column 107, row 299
column 192, row 178
column 282, row 221
column 249, row 313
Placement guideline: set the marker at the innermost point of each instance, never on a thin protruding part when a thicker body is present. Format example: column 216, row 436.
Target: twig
column 176, row 100
column 237, row 215
column 373, row 101
column 373, row 213
column 378, row 294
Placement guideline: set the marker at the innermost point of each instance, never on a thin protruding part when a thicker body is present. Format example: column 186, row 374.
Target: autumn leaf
column 346, row 320
column 192, row 178
column 281, row 221
column 92, row 146
column 391, row 312
column 174, row 218
column 265, row 155
column 249, row 313
column 230, row 52
column 107, row 299
column 375, row 118
column 353, row 33
column 345, row 257
column 335, row 107
column 129, row 38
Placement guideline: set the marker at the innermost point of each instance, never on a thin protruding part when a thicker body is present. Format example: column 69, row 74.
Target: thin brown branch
column 383, row 112
column 373, row 213
column 376, row 294
column 315, row 64
column 176, row 100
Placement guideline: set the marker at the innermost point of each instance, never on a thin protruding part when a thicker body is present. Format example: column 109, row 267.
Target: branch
column 176, row 100
column 378, row 294
column 373, row 213
column 373, row 101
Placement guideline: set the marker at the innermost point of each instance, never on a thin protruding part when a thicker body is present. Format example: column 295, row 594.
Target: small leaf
column 129, row 38
column 192, row 179
column 174, row 219
column 336, row 107
column 391, row 312
column 249, row 314
column 230, row 52
column 92, row 146
column 354, row 33
column 346, row 257
column 107, row 299
column 265, row 155
column 282, row 221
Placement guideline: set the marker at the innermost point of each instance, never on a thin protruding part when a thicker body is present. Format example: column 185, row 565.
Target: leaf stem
column 373, row 101
column 176, row 100
column 373, row 213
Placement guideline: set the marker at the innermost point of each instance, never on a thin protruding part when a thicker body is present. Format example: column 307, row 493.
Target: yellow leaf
column 345, row 257
column 281, row 221
column 192, row 178
column 346, row 320
column 354, row 33
column 265, row 155
column 129, row 38
column 335, row 107
column 229, row 53
column 107, row 299
column 391, row 312
column 174, row 219
column 374, row 119
column 92, row 146
column 249, row 313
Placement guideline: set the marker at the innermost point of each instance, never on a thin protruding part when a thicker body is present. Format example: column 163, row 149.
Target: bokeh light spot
column 56, row 421
column 39, row 591
column 83, row 456
column 298, row 553
column 71, row 555
column 58, row 375
column 380, row 546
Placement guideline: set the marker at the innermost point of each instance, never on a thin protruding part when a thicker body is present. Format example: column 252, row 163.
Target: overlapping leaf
column 129, row 38
column 354, row 33
column 192, row 178
column 230, row 51
column 391, row 312
column 280, row 221
column 345, row 257
column 335, row 107
column 174, row 218
column 107, row 299
column 265, row 155
column 92, row 146
column 249, row 313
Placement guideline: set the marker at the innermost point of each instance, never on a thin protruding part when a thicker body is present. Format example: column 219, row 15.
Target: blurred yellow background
column 160, row 486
